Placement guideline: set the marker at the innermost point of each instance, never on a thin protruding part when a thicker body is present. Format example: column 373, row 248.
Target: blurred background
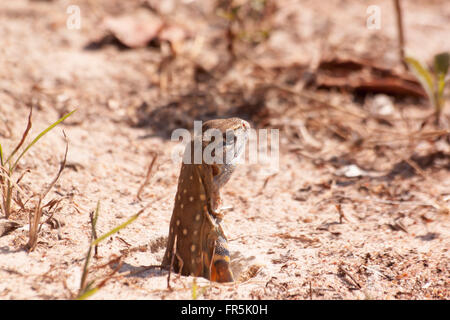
column 358, row 89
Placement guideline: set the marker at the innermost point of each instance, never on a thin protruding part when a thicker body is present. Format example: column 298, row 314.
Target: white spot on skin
column 191, row 199
column 191, row 177
column 185, row 231
column 181, row 206
column 195, row 232
column 178, row 222
column 193, row 248
column 184, row 191
column 179, row 198
column 202, row 197
column 197, row 217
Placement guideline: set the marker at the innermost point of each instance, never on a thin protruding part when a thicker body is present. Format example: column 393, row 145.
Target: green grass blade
column 1, row 156
column 424, row 76
column 116, row 229
column 440, row 91
column 87, row 294
column 40, row 136
column 194, row 289
column 85, row 270
column 441, row 84
column 441, row 63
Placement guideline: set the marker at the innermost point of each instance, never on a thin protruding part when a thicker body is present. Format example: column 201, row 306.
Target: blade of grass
column 34, row 224
column 83, row 286
column 86, row 291
column 442, row 63
column 34, row 227
column 1, row 156
column 87, row 294
column 424, row 77
column 40, row 136
column 194, row 289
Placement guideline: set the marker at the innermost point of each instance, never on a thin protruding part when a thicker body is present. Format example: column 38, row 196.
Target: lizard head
column 228, row 138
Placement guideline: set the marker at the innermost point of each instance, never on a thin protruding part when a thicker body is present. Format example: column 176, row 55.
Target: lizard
column 196, row 236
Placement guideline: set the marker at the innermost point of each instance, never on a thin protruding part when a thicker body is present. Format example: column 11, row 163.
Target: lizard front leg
column 212, row 192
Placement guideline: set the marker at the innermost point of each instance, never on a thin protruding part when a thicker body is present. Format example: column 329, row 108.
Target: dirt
column 358, row 209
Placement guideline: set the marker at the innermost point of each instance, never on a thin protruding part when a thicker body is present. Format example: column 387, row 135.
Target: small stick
column 147, row 177
column 401, row 37
column 342, row 270
column 265, row 184
column 171, row 261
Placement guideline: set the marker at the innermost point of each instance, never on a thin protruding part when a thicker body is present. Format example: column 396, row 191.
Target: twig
column 342, row 270
column 34, row 220
column 171, row 261
column 401, row 37
column 25, row 134
column 265, row 184
column 94, row 216
column 147, row 177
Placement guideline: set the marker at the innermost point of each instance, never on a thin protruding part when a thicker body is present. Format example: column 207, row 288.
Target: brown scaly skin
column 201, row 245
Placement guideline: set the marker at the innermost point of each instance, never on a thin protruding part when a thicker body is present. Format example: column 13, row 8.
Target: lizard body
column 195, row 234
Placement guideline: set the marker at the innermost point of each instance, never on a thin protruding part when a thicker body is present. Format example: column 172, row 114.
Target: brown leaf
column 134, row 30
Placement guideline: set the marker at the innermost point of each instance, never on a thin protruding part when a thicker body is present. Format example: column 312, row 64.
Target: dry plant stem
column 401, row 37
column 147, row 177
column 7, row 177
column 342, row 270
column 171, row 261
column 25, row 134
column 7, row 200
column 35, row 219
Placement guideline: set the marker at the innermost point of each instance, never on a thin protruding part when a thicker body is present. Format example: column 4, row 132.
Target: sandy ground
column 287, row 237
